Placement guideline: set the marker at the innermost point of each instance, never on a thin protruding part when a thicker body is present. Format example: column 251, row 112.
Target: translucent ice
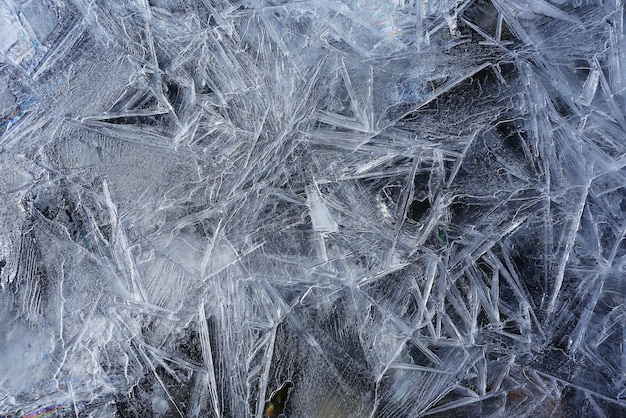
column 332, row 208
column 320, row 216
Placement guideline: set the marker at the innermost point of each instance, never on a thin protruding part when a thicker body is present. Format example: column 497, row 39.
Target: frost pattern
column 325, row 208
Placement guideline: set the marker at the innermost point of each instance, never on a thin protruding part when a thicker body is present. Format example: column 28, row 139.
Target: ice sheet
column 330, row 208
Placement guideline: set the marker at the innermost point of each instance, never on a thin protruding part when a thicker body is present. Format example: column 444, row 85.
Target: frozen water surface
column 319, row 208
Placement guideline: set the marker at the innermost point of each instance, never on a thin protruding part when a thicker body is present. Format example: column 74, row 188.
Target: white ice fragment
column 543, row 8
column 40, row 17
column 160, row 405
column 17, row 40
column 590, row 87
column 10, row 28
column 320, row 215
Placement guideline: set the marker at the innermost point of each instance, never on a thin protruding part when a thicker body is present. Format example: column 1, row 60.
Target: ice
column 333, row 208
column 320, row 216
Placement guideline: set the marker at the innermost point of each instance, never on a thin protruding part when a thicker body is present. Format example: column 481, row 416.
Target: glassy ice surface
column 317, row 208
